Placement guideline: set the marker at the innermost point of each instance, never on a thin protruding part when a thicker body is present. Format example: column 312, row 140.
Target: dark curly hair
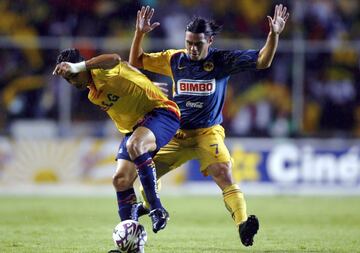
column 70, row 55
column 202, row 25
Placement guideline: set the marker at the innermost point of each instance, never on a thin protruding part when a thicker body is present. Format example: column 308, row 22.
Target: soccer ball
column 130, row 237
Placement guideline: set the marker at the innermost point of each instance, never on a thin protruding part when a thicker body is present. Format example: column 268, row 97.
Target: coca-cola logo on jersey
column 196, row 87
column 194, row 104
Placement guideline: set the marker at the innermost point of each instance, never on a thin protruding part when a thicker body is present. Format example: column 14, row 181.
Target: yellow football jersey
column 160, row 62
column 126, row 95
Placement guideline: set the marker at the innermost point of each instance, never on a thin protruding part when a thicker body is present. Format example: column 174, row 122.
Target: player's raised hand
column 143, row 20
column 277, row 23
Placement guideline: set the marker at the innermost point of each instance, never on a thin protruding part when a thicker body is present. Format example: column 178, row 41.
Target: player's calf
column 248, row 229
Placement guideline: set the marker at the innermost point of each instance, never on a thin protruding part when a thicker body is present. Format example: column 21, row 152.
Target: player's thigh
column 211, row 148
column 163, row 124
column 172, row 156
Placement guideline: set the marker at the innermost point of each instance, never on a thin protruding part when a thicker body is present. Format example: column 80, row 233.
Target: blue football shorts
column 162, row 122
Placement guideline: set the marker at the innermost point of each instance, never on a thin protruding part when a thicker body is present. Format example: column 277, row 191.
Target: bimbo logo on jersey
column 196, row 87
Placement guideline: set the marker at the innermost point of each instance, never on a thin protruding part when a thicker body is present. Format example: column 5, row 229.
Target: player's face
column 79, row 80
column 197, row 45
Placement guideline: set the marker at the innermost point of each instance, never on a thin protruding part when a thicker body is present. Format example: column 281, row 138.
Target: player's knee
column 135, row 147
column 221, row 172
column 121, row 181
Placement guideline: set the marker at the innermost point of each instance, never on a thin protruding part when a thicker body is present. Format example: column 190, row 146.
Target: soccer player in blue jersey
column 200, row 74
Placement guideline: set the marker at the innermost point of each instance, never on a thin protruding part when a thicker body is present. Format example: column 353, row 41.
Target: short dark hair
column 70, row 55
column 202, row 25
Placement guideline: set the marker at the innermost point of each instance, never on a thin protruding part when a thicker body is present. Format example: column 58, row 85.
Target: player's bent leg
column 139, row 146
column 123, row 180
column 159, row 216
column 234, row 201
column 155, row 131
column 146, row 171
column 233, row 197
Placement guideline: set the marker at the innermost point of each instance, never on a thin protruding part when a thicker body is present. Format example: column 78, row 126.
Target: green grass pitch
column 197, row 224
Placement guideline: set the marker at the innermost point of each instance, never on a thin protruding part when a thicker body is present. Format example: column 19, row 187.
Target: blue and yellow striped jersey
column 199, row 86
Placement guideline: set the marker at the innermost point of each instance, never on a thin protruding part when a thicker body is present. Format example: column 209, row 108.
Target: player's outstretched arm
column 65, row 69
column 104, row 61
column 277, row 25
column 143, row 26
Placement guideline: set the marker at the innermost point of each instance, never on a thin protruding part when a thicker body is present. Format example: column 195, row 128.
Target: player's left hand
column 277, row 23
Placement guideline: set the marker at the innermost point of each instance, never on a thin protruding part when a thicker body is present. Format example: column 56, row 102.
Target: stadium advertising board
column 286, row 163
column 260, row 165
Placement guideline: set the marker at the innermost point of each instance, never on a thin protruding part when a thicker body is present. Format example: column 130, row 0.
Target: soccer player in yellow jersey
column 139, row 110
column 200, row 74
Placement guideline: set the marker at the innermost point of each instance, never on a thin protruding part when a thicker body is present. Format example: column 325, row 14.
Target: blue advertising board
column 310, row 162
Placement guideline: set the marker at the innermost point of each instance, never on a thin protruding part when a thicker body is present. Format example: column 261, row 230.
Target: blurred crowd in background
column 259, row 103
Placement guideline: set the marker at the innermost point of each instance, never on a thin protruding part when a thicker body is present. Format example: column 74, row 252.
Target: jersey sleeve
column 235, row 61
column 158, row 62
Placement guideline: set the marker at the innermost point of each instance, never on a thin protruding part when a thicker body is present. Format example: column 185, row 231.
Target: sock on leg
column 142, row 192
column 125, row 199
column 147, row 175
column 235, row 203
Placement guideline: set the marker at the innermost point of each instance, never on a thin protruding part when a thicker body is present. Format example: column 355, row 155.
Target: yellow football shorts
column 203, row 144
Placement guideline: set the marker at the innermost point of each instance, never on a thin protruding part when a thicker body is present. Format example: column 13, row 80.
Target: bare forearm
column 136, row 51
column 104, row 61
column 266, row 54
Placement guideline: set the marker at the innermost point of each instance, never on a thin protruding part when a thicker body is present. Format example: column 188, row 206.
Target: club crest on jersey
column 208, row 66
column 196, row 87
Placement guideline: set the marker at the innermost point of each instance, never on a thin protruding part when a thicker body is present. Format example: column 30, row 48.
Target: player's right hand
column 67, row 68
column 143, row 20
column 62, row 69
column 277, row 23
